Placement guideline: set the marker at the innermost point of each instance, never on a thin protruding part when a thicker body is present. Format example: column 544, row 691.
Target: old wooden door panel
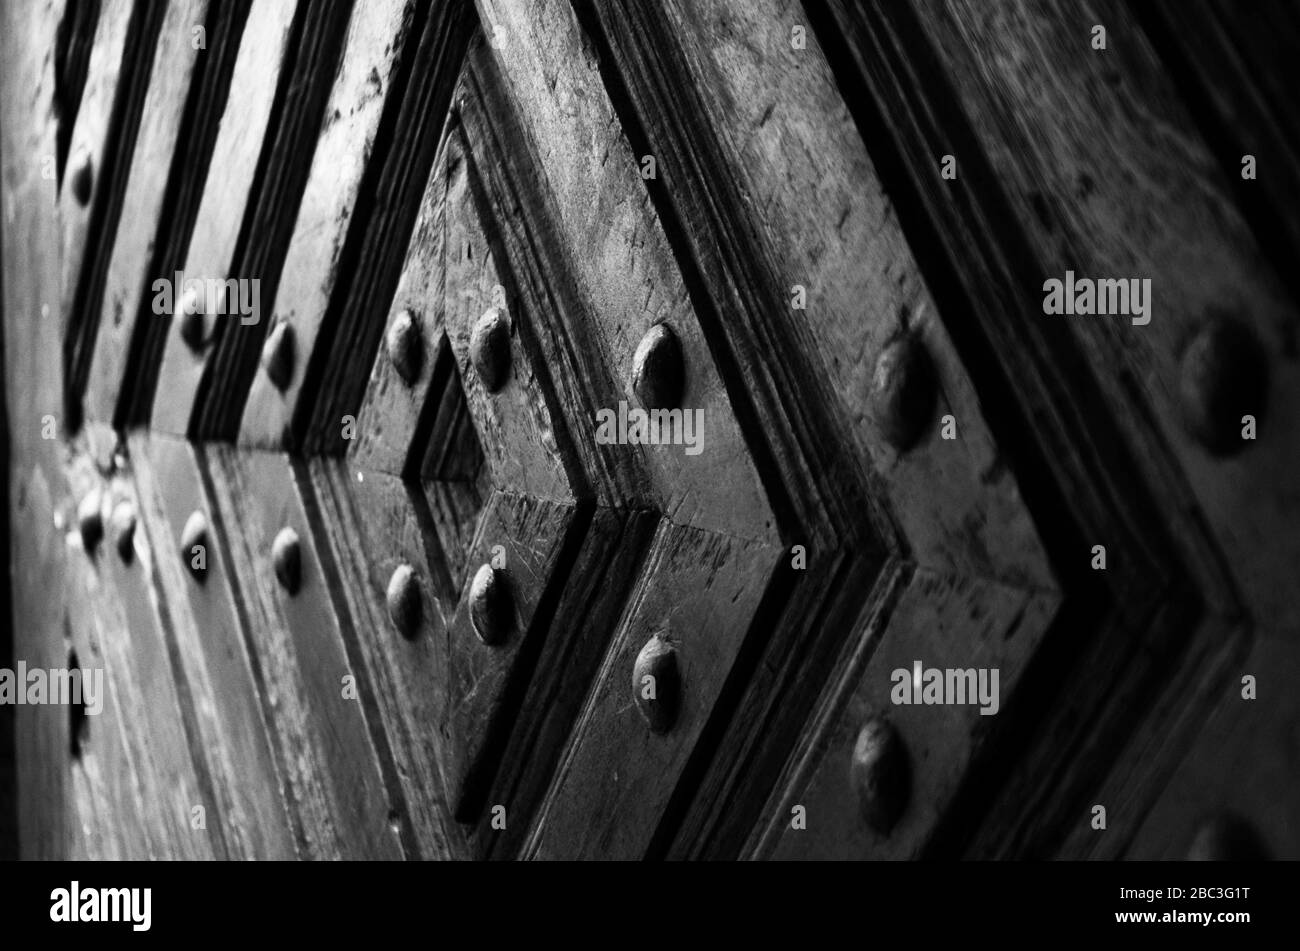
column 949, row 624
column 126, row 639
column 332, row 768
column 180, row 115
column 107, row 121
column 384, row 122
column 1202, row 259
column 269, row 48
column 730, row 156
column 1231, row 775
column 385, row 439
column 243, row 765
column 371, row 525
column 977, row 239
column 904, row 458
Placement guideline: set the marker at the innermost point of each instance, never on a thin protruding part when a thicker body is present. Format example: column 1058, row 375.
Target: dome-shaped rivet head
column 656, row 684
column 90, row 519
column 490, row 608
column 1223, row 377
column 1226, row 838
column 489, row 348
column 880, row 774
column 405, row 346
column 82, row 176
column 122, row 525
column 195, row 536
column 658, row 372
column 277, row 355
column 404, row 604
column 286, row 556
column 903, row 392
column 193, row 322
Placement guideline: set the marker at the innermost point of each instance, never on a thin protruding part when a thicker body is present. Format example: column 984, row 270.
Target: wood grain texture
column 39, row 501
column 372, row 528
column 108, row 123
column 611, row 248
column 267, row 53
column 389, row 415
column 977, row 237
column 181, row 113
column 1234, row 73
column 515, row 426
column 230, row 729
column 333, row 777
column 128, row 641
column 944, row 622
column 142, row 226
column 385, row 119
column 748, row 131
column 211, row 399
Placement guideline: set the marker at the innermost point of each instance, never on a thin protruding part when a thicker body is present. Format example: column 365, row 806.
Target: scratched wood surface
column 765, row 179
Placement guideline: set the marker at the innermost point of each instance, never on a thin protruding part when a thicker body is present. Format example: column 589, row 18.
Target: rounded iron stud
column 490, row 610
column 1226, row 838
column 83, row 176
column 406, row 346
column 193, row 322
column 903, row 392
column 880, row 774
column 656, row 684
column 658, row 371
column 404, row 604
column 122, row 524
column 286, row 556
column 277, row 355
column 90, row 519
column 1223, row 377
column 489, row 348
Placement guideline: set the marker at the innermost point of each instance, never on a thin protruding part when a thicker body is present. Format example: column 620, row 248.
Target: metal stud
column 658, row 372
column 82, row 176
column 90, row 519
column 277, row 355
column 880, row 774
column 1223, row 377
column 193, row 323
column 1226, row 838
column 286, row 556
column 903, row 392
column 489, row 348
column 404, row 605
column 656, row 684
column 490, row 610
column 122, row 525
column 195, row 535
column 406, row 346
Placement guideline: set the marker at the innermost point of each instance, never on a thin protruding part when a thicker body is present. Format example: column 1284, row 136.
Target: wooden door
column 330, row 329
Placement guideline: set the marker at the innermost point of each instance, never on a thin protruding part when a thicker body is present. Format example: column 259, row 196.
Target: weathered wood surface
column 38, row 483
column 203, row 616
column 383, row 125
column 182, row 110
column 989, row 230
column 332, row 770
column 108, row 122
column 273, row 42
column 592, row 171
